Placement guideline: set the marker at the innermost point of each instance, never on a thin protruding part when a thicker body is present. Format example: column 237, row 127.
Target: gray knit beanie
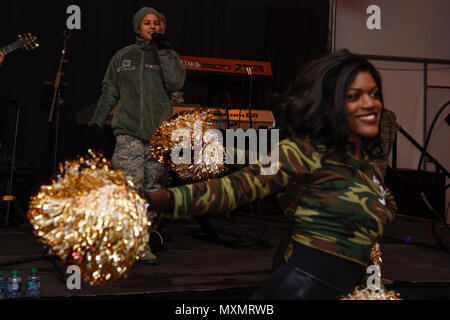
column 140, row 15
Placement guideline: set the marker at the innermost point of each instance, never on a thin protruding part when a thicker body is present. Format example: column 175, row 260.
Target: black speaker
column 406, row 184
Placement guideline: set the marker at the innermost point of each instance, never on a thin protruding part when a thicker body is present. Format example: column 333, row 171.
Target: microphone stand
column 241, row 101
column 227, row 110
column 56, row 101
column 250, row 118
column 9, row 197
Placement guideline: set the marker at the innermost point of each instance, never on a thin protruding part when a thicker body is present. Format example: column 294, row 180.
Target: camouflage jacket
column 137, row 82
column 337, row 206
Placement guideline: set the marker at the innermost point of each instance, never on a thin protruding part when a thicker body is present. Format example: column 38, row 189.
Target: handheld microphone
column 161, row 41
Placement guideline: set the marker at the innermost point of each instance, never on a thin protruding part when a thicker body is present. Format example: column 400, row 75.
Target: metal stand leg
column 8, row 198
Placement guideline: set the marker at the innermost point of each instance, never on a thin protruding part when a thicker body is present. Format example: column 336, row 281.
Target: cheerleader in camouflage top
column 327, row 182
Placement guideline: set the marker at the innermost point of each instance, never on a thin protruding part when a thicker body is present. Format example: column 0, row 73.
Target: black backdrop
column 287, row 33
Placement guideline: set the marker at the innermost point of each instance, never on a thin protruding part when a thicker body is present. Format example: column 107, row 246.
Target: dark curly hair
column 314, row 106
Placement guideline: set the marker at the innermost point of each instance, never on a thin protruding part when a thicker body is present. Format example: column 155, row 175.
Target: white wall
column 409, row 28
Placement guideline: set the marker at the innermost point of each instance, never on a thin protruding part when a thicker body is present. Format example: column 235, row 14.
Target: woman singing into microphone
column 138, row 81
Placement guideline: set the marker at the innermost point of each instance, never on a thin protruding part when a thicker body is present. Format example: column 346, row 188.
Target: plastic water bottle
column 14, row 285
column 33, row 283
column 2, row 286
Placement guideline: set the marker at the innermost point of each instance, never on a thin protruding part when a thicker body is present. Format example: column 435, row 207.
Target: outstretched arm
column 234, row 190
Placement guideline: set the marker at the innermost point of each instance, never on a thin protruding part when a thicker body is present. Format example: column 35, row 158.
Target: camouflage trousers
column 133, row 156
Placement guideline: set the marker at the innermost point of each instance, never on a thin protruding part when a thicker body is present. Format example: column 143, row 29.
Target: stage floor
column 192, row 268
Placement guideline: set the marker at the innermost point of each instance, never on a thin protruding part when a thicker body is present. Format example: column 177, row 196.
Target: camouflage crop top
column 339, row 207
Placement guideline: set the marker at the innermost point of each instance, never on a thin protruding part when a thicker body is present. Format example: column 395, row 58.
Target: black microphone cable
column 425, row 200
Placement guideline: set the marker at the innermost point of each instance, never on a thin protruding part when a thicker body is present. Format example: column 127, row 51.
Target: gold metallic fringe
column 364, row 293
column 207, row 154
column 90, row 216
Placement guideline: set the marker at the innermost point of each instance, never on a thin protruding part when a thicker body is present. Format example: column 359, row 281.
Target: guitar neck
column 12, row 47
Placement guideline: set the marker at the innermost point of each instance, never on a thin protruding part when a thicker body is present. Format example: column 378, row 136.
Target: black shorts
column 309, row 274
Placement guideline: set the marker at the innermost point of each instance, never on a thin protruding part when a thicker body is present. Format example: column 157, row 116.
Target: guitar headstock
column 28, row 41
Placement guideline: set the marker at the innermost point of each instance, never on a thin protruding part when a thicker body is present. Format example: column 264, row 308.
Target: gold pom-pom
column 365, row 293
column 362, row 293
column 90, row 216
column 375, row 255
column 187, row 144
